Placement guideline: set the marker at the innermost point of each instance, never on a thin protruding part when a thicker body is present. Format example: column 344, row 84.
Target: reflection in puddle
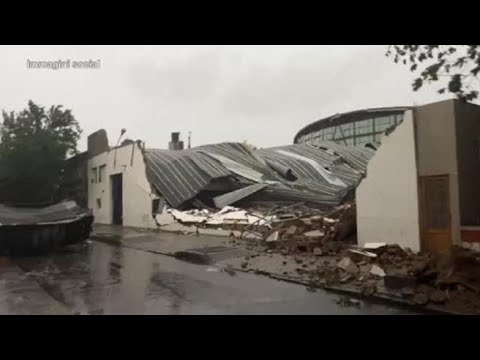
column 98, row 279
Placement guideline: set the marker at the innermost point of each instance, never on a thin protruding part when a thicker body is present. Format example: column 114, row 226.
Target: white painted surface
column 387, row 199
column 137, row 195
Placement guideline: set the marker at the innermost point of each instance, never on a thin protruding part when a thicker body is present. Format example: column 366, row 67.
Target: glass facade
column 355, row 133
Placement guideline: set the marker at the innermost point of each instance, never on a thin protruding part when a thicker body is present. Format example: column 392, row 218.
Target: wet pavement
column 98, row 278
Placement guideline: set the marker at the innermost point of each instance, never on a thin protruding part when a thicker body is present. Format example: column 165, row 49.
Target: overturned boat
column 28, row 230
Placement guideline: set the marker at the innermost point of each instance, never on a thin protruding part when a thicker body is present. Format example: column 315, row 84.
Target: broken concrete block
column 317, row 251
column 244, row 265
column 438, row 297
column 347, row 265
column 420, row 299
column 314, row 234
column 374, row 245
column 398, row 280
column 368, row 290
column 333, row 247
column 352, row 269
column 330, row 221
column 343, row 264
column 307, row 222
column 408, row 291
column 291, row 230
column 272, row 237
column 365, row 268
column 377, row 271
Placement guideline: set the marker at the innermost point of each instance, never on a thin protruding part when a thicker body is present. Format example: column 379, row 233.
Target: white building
column 118, row 190
column 421, row 189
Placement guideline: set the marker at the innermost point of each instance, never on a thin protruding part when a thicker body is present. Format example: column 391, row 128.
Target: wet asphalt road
column 96, row 278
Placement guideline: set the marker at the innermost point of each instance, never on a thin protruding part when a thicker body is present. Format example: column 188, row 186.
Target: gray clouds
column 263, row 94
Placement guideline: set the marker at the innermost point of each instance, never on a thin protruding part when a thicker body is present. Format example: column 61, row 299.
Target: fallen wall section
column 387, row 199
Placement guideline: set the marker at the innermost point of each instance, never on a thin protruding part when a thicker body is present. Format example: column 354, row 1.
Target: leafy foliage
column 34, row 145
column 455, row 67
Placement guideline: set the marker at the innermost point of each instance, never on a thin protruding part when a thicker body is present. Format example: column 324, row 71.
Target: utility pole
column 189, row 139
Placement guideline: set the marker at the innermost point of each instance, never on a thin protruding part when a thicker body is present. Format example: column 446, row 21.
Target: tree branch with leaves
column 454, row 67
column 34, row 145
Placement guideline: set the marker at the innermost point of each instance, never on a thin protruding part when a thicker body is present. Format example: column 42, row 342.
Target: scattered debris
column 363, row 253
column 212, row 269
column 272, row 237
column 347, row 265
column 373, row 246
column 377, row 271
column 314, row 234
column 347, row 302
column 420, row 299
column 229, row 271
column 398, row 280
column 438, row 297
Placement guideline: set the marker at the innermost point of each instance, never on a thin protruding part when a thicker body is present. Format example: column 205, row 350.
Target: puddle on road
column 96, row 278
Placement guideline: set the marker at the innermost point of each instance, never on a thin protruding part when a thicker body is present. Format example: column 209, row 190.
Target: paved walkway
column 160, row 242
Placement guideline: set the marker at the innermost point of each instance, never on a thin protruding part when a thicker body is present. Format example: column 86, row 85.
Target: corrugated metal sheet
column 325, row 173
column 66, row 211
column 234, row 196
column 356, row 157
column 180, row 175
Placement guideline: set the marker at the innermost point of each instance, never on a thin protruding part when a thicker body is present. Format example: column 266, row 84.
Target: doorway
column 117, row 199
column 435, row 213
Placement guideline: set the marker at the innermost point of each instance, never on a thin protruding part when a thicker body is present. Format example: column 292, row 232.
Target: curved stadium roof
column 344, row 118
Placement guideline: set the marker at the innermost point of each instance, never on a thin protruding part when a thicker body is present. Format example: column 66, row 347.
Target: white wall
column 387, row 199
column 137, row 196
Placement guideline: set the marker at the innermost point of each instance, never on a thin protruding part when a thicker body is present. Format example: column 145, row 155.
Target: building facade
column 118, row 190
column 421, row 187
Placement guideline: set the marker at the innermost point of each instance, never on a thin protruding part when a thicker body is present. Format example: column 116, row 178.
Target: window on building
column 94, row 175
column 101, row 173
column 328, row 134
column 383, row 123
column 364, row 127
column 347, row 130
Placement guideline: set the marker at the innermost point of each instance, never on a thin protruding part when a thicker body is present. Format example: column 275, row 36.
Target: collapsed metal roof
column 64, row 212
column 321, row 174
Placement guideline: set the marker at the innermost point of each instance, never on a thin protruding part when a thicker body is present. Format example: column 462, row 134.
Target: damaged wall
column 137, row 194
column 387, row 199
column 437, row 151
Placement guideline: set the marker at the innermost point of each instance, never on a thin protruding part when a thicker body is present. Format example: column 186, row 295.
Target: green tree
column 34, row 145
column 454, row 67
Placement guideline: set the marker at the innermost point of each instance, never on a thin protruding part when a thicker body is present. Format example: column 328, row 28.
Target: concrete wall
column 468, row 158
column 387, row 199
column 437, row 151
column 137, row 195
column 97, row 143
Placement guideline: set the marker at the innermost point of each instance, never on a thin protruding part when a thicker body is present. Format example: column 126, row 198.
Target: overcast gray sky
column 262, row 94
